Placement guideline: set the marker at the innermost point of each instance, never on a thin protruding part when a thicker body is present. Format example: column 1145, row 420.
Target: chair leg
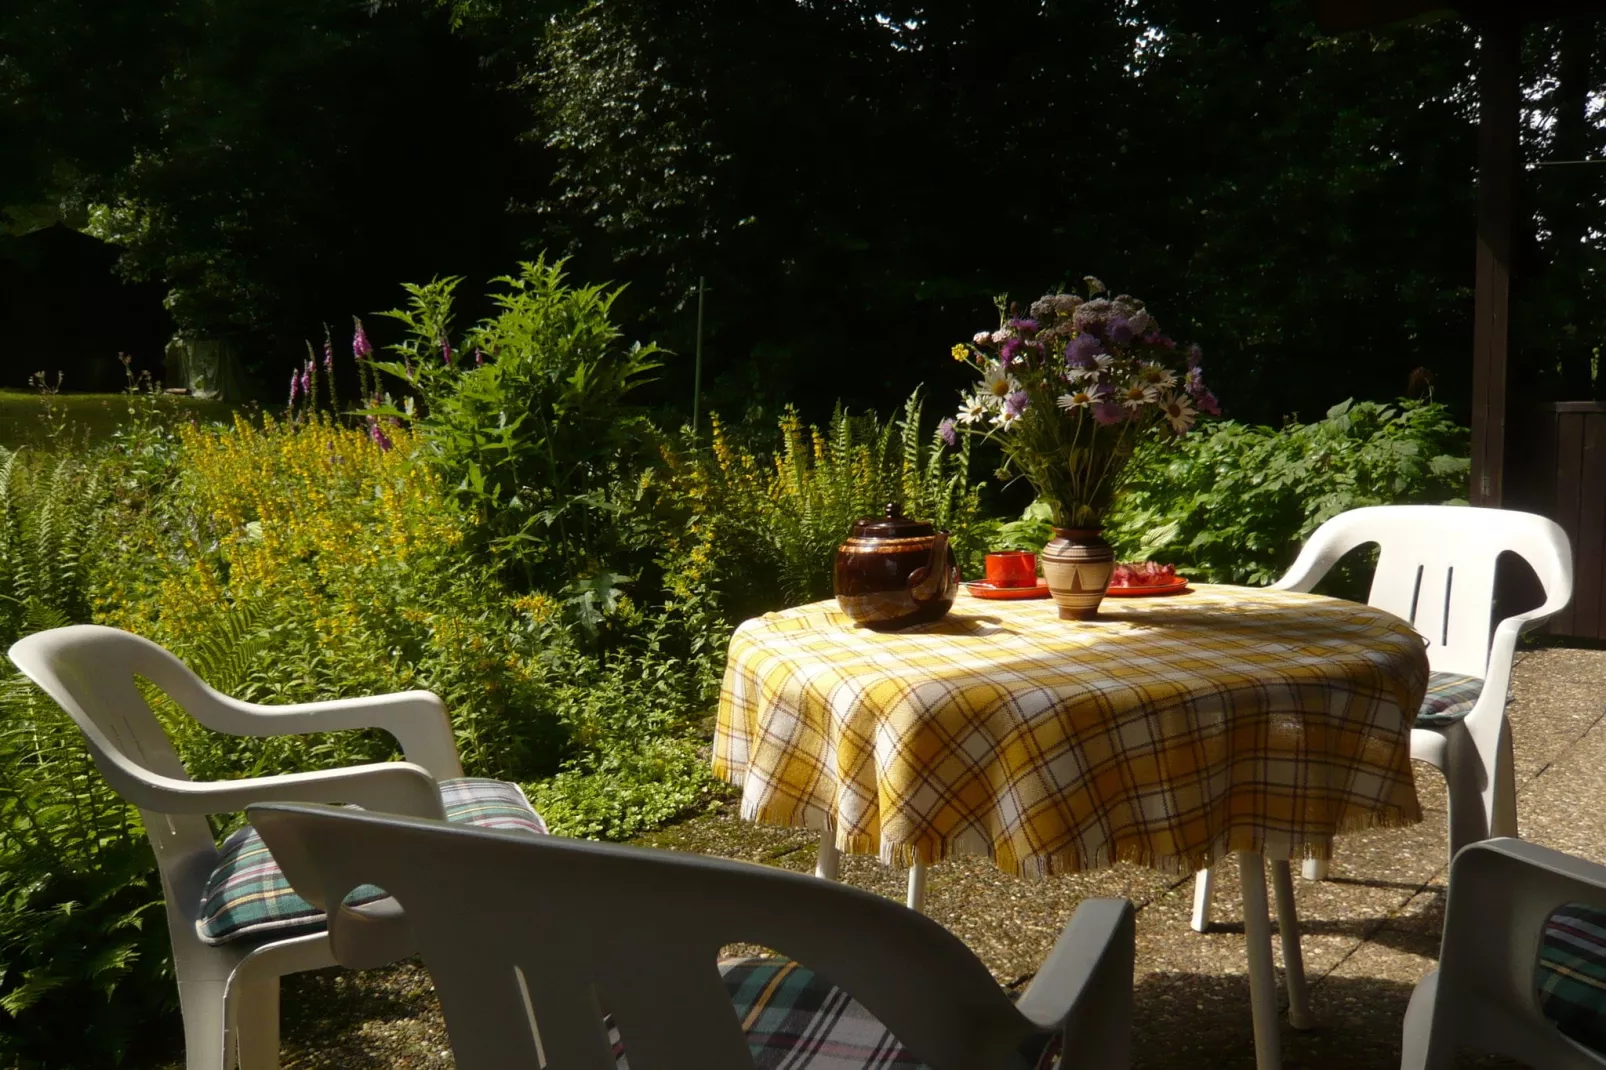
column 1282, row 884
column 1262, row 975
column 1468, row 810
column 256, row 1022
column 1315, row 869
column 1203, row 889
column 917, row 887
column 829, row 861
column 1502, row 796
column 201, row 1003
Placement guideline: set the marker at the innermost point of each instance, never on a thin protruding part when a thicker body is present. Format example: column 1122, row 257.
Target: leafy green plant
column 762, row 531
column 1232, row 503
column 526, row 417
column 620, row 792
column 83, row 957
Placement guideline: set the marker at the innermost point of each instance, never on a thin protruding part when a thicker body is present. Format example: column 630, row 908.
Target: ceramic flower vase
column 1077, row 563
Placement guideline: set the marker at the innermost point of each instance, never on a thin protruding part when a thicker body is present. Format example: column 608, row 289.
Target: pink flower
column 295, row 387
column 360, row 347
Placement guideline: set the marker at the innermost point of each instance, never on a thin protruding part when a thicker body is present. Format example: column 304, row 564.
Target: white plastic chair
column 229, row 994
column 1436, row 569
column 1484, row 996
column 530, row 938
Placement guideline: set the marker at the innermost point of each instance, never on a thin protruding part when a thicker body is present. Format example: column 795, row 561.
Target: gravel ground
column 1369, row 933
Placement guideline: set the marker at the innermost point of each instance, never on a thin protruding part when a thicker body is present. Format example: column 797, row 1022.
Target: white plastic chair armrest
column 389, row 787
column 1491, row 703
column 417, row 719
column 1501, row 894
column 1085, row 985
column 1321, row 552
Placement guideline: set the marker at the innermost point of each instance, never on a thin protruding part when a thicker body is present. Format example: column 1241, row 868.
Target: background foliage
column 1294, row 198
column 1233, row 503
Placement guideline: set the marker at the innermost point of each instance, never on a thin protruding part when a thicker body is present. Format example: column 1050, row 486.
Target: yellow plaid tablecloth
column 1169, row 731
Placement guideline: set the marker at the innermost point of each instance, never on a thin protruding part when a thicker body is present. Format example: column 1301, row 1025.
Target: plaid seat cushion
column 1572, row 973
column 247, row 895
column 1450, row 698
column 796, row 1019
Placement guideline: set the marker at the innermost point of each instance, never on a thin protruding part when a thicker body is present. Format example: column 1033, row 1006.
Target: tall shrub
column 528, row 419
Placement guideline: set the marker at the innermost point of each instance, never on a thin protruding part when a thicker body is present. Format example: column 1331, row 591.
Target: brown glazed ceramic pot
column 1077, row 563
column 894, row 572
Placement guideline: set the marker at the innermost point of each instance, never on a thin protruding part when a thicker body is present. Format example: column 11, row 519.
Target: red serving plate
column 1175, row 587
column 983, row 589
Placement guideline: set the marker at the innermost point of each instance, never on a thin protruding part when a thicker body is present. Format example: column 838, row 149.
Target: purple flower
column 1195, row 355
column 1164, row 341
column 328, row 355
column 949, row 435
column 479, row 358
column 1080, row 351
column 1119, row 330
column 360, row 347
column 1108, row 412
column 295, row 387
column 1026, row 327
column 1007, row 351
column 1193, row 382
column 446, row 351
column 1207, row 403
column 377, row 434
column 306, row 379
column 1017, row 402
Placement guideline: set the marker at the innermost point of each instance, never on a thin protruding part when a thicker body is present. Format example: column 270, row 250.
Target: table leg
column 1204, row 884
column 1262, row 975
column 830, row 859
column 917, row 886
column 1282, row 882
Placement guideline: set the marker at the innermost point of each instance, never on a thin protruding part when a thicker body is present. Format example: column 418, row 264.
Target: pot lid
column 894, row 525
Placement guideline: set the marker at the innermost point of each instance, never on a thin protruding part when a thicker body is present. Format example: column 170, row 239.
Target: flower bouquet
column 1068, row 392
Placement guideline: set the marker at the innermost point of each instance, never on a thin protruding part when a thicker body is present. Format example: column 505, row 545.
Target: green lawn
column 23, row 419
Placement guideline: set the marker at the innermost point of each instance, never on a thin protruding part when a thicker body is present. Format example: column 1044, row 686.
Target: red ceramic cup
column 1012, row 568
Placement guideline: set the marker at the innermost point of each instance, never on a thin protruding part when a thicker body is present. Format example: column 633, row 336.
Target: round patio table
column 1168, row 731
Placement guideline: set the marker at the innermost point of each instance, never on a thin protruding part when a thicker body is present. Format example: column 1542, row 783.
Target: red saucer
column 1176, row 587
column 983, row 589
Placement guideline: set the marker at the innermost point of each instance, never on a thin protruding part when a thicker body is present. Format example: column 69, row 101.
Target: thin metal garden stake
column 697, row 373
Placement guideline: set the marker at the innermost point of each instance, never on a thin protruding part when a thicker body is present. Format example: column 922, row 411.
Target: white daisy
column 1178, row 411
column 1138, row 395
column 1005, row 418
column 1157, row 376
column 974, row 410
column 1079, row 399
column 997, row 383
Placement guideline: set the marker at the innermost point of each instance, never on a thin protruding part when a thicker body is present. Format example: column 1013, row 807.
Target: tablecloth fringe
column 1076, row 860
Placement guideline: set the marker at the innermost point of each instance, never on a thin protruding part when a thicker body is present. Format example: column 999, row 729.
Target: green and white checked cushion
column 1450, row 698
column 796, row 1019
column 247, row 895
column 1572, row 973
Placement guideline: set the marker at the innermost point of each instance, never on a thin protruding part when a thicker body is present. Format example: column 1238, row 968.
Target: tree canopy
column 854, row 180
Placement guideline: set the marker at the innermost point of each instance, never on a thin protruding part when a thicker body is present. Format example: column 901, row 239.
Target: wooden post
column 1500, row 51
